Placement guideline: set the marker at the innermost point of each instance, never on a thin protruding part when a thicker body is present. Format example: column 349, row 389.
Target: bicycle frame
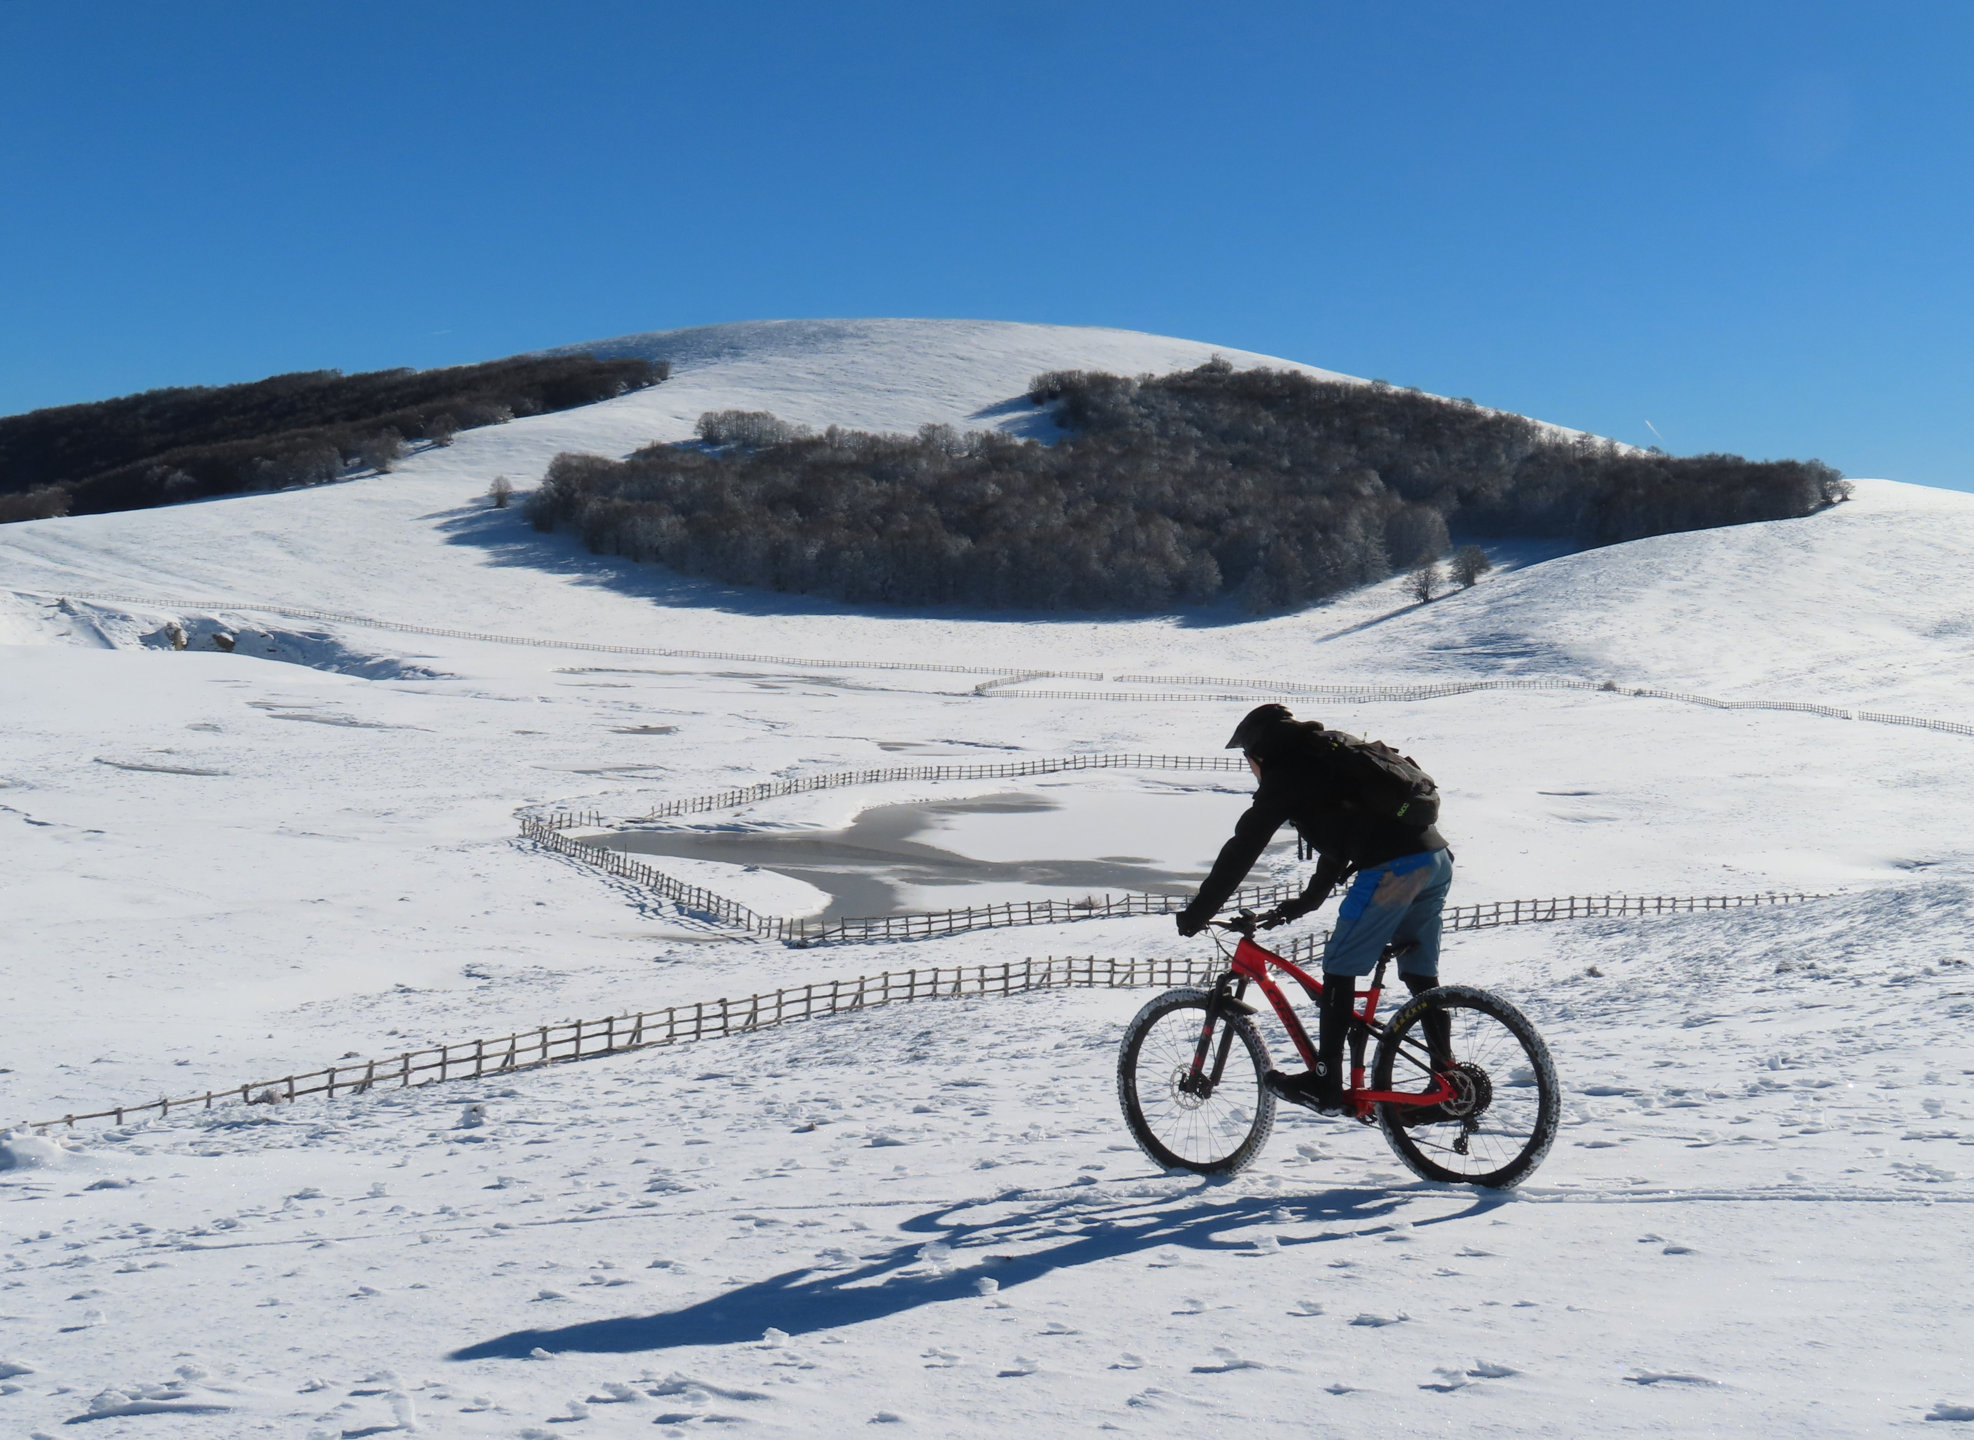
column 1250, row 964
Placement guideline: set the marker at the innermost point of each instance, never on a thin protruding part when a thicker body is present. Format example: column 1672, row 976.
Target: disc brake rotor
column 1185, row 1093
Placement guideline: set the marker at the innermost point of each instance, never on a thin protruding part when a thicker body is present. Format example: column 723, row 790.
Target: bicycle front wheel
column 1506, row 1104
column 1213, row 1119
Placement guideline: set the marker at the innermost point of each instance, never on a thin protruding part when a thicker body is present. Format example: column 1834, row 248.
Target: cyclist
column 1401, row 876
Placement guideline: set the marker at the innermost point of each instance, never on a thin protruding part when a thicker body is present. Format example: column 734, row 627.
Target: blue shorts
column 1396, row 902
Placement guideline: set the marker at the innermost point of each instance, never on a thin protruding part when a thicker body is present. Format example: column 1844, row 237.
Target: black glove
column 1286, row 911
column 1190, row 924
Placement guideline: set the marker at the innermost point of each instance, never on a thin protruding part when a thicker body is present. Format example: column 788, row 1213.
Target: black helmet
column 1257, row 727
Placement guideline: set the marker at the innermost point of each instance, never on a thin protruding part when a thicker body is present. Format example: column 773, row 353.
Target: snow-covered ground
column 224, row 867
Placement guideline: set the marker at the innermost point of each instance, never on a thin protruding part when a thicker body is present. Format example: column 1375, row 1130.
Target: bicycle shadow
column 1044, row 1236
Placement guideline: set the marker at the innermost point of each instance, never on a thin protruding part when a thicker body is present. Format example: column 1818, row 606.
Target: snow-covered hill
column 224, row 867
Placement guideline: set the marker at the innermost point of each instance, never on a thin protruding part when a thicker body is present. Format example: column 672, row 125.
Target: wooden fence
column 1002, row 770
column 570, row 1040
column 546, row 832
column 794, row 930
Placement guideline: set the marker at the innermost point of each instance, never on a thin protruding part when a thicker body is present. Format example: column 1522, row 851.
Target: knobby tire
column 1218, row 1134
column 1501, row 1055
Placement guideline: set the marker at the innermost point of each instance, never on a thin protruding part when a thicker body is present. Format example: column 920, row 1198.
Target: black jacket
column 1302, row 786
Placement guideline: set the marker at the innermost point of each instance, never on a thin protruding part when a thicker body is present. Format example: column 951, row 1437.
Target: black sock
column 1437, row 1025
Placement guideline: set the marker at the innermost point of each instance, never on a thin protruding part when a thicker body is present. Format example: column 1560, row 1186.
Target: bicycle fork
column 1202, row 1078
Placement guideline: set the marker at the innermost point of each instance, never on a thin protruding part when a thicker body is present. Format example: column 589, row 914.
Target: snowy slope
column 219, row 868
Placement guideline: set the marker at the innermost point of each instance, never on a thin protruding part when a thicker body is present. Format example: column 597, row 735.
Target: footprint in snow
column 937, row 1359
column 1019, row 1366
column 1226, row 1361
column 1191, row 1306
column 616, row 1393
column 1943, row 1411
column 1662, row 1377
column 1378, row 1320
column 1306, row 1307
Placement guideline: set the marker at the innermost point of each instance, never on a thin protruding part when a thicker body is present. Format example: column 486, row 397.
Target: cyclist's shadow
column 1018, row 1237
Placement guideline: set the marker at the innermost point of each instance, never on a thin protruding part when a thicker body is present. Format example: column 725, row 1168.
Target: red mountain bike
column 1479, row 1108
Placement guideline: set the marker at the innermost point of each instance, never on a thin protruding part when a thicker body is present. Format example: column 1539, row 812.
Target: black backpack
column 1388, row 784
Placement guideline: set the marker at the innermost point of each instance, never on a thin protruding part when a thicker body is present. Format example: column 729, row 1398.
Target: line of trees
column 301, row 429
column 1266, row 485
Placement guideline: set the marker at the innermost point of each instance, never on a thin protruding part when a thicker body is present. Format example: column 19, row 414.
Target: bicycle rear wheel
column 1213, row 1126
column 1507, row 1103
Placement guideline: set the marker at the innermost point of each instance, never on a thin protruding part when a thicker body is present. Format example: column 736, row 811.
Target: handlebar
column 1242, row 924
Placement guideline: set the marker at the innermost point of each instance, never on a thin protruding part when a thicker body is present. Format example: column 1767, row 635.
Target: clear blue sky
column 1748, row 224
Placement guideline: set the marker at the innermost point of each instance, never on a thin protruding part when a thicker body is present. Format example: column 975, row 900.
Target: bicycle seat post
column 1385, row 957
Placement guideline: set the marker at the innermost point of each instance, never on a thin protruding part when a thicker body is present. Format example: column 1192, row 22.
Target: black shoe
column 1321, row 1093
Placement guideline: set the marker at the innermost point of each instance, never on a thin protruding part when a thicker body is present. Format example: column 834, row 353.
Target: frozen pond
column 1048, row 843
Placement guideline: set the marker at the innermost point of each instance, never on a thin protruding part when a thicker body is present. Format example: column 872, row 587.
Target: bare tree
column 501, row 491
column 441, row 428
column 1470, row 562
column 1422, row 584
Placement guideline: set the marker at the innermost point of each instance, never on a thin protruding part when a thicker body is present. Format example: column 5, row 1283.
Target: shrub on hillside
column 47, row 502
column 751, row 428
column 1266, row 485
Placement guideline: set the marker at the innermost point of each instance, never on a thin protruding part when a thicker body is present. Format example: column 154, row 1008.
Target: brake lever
column 1242, row 924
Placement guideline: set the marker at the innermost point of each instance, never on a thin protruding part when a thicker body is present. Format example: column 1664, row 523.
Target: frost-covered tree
column 1470, row 562
column 1424, row 582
